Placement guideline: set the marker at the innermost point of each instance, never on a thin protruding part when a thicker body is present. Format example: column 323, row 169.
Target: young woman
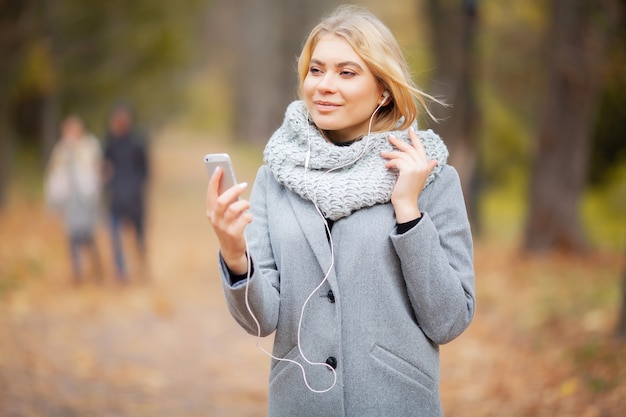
column 358, row 251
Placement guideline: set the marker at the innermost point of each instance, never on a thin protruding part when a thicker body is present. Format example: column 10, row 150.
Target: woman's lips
column 325, row 105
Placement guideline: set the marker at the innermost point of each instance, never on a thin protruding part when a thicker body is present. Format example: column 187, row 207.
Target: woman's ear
column 386, row 97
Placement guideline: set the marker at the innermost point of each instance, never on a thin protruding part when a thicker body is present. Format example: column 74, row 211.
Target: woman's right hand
column 229, row 217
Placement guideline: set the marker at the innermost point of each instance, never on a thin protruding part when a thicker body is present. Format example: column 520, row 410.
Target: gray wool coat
column 390, row 300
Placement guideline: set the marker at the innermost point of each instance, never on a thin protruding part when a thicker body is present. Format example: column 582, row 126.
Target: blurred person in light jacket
column 72, row 187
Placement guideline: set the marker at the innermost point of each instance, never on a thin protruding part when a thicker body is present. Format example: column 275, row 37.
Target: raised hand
column 413, row 168
column 229, row 216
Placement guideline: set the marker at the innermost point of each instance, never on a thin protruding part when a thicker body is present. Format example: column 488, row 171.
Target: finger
column 228, row 206
column 235, row 210
column 404, row 150
column 213, row 189
column 393, row 155
column 409, row 152
column 232, row 194
column 232, row 231
column 398, row 159
column 239, row 225
column 400, row 144
column 421, row 151
column 417, row 143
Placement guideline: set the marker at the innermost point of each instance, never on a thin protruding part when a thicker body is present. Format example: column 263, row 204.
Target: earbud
column 386, row 95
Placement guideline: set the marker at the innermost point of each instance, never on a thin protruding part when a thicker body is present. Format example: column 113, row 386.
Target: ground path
column 167, row 346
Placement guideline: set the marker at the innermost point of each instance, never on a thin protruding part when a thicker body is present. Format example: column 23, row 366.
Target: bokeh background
column 536, row 128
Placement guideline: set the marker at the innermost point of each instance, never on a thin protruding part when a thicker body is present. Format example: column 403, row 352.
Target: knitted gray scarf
column 363, row 182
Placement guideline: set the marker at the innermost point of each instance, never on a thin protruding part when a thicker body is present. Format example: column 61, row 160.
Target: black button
column 331, row 296
column 332, row 362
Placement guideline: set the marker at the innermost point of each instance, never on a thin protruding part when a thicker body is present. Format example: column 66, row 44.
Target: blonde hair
column 376, row 45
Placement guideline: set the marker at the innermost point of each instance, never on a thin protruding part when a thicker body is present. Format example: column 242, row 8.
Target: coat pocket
column 294, row 373
column 279, row 366
column 402, row 368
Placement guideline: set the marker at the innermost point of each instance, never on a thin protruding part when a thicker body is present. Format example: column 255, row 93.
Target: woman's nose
column 327, row 84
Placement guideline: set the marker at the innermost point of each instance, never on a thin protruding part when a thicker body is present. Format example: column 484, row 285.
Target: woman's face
column 340, row 91
column 72, row 130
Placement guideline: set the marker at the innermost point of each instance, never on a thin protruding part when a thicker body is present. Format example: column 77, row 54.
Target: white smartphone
column 213, row 160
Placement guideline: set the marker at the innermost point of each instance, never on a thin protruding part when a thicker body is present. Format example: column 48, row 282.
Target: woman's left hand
column 413, row 169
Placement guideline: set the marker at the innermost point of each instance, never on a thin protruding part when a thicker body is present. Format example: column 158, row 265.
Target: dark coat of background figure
column 127, row 173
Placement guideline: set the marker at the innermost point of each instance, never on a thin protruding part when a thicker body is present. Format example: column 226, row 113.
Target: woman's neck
column 348, row 142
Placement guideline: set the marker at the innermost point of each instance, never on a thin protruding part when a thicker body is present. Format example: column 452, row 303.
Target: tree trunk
column 298, row 19
column 257, row 59
column 267, row 45
column 6, row 136
column 50, row 108
column 559, row 174
column 6, row 154
column 454, row 25
column 13, row 31
column 621, row 326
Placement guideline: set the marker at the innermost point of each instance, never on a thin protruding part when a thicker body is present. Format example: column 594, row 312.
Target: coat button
column 332, row 362
column 331, row 296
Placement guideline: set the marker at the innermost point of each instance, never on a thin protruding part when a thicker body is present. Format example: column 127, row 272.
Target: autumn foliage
column 541, row 343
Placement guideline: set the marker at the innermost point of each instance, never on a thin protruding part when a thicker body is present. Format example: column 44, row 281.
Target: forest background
column 536, row 127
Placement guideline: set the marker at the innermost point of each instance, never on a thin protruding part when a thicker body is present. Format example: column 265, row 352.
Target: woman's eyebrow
column 316, row 61
column 348, row 64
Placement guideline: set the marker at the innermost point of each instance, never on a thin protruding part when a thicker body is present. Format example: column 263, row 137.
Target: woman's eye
column 346, row 73
column 315, row 70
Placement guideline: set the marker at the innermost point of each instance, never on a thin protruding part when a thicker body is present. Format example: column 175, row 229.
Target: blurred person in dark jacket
column 126, row 172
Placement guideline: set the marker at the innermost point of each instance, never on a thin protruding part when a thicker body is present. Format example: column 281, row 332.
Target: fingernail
column 411, row 129
column 216, row 169
column 243, row 185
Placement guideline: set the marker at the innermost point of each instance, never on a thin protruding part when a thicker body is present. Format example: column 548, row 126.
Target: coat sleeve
column 262, row 289
column 437, row 260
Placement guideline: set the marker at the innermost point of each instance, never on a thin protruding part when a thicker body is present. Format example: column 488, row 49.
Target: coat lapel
column 313, row 228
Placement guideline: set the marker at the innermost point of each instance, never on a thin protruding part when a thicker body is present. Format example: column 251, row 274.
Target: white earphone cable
column 313, row 199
